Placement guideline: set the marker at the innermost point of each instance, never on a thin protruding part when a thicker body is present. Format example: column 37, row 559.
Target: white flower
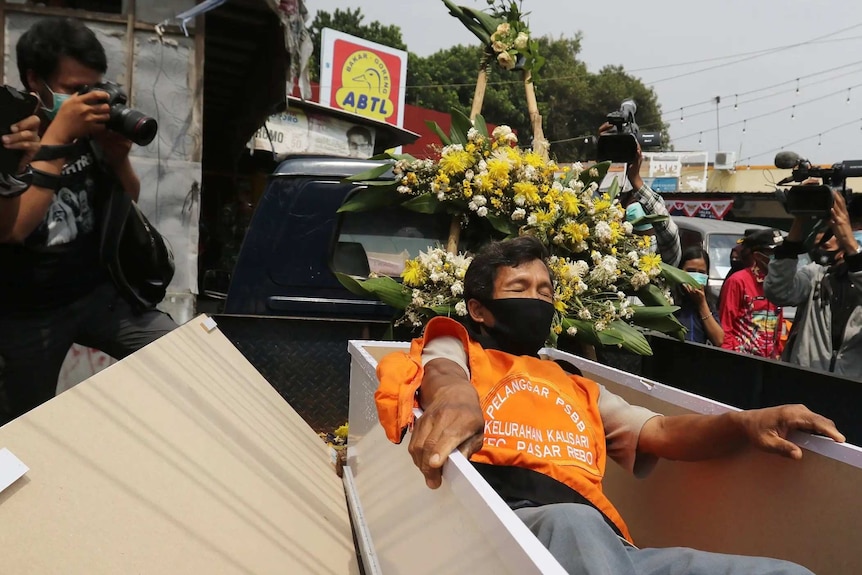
column 505, row 60
column 585, row 314
column 457, row 288
column 603, row 232
column 483, row 166
column 639, row 280
column 530, row 173
column 480, row 200
column 559, row 239
column 482, row 212
column 461, row 308
column 403, row 189
column 572, row 331
column 441, row 196
column 601, row 325
column 501, row 131
column 452, row 148
column 519, row 214
column 633, row 257
column 473, row 206
column 472, row 134
column 503, row 28
column 468, row 175
column 498, row 47
column 531, row 220
column 520, row 200
column 521, row 41
column 557, row 185
column 628, row 227
column 593, row 186
column 594, row 172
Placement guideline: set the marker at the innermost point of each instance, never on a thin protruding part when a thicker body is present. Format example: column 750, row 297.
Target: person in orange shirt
column 541, row 436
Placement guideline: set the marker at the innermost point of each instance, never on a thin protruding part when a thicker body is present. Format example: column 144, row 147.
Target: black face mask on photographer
column 823, row 256
column 521, row 325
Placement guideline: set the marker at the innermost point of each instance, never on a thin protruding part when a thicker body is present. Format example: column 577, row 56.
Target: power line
column 752, row 57
column 817, row 135
column 681, row 109
column 770, row 113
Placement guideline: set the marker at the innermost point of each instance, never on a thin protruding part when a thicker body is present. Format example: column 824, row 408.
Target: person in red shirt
column 751, row 323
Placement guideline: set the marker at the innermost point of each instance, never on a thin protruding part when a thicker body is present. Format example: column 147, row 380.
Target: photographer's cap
column 634, row 215
column 757, row 239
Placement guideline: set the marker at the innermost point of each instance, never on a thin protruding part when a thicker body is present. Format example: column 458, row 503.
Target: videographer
column 24, row 137
column 54, row 291
column 828, row 292
column 666, row 231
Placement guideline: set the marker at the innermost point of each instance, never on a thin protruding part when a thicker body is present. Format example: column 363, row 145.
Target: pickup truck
column 286, row 311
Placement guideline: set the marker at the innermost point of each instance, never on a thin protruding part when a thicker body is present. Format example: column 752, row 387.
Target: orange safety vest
column 537, row 417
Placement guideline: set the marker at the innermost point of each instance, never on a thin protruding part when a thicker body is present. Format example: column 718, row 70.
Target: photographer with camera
column 666, row 231
column 55, row 290
column 827, row 330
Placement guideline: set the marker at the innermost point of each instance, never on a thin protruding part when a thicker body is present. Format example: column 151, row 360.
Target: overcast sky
column 649, row 38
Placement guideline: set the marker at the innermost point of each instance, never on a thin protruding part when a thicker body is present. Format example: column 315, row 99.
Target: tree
column 573, row 101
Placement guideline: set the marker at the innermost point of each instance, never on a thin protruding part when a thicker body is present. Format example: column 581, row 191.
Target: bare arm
column 452, row 420
column 77, row 117
column 699, row 437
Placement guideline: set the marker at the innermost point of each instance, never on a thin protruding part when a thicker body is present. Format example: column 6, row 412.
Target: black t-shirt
column 59, row 261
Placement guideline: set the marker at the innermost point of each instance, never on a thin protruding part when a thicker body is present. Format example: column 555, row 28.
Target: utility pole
column 717, row 124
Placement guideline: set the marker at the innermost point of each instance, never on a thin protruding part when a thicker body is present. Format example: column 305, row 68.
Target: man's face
column 528, row 280
column 69, row 78
column 358, row 146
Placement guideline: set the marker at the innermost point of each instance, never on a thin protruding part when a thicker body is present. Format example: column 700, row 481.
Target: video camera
column 134, row 125
column 620, row 143
column 814, row 200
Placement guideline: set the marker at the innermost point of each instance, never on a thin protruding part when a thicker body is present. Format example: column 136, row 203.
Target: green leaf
column 676, row 276
column 424, row 204
column 372, row 174
column 435, row 127
column 602, row 168
column 352, row 285
column 460, row 125
column 614, row 189
column 651, row 295
column 369, row 199
column 480, row 125
column 586, row 330
column 633, row 339
column 653, row 311
column 665, row 324
column 388, row 291
column 501, row 224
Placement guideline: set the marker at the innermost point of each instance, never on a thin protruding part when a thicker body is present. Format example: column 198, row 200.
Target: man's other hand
column 840, row 224
column 115, row 147
column 24, row 136
column 452, row 420
column 768, row 428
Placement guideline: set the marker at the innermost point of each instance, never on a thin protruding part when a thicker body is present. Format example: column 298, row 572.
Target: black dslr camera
column 620, row 144
column 134, row 125
column 814, row 200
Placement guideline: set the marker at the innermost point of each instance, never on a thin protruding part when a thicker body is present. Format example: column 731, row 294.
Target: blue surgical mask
column 58, row 100
column 700, row 278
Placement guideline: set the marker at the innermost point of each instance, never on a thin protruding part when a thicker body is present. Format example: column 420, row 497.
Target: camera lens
column 134, row 125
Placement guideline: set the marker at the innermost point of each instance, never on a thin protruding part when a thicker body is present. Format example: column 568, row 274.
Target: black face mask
column 736, row 265
column 521, row 325
column 822, row 256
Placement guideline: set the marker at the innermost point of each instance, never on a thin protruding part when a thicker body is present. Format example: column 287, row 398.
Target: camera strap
column 47, row 153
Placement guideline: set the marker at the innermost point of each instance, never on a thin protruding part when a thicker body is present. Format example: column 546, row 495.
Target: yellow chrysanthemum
column 649, row 262
column 571, row 204
column 576, row 232
column 533, row 159
column 414, row 274
column 455, row 162
column 560, row 306
column 528, row 190
column 543, row 217
column 602, row 205
column 498, row 169
column 617, row 232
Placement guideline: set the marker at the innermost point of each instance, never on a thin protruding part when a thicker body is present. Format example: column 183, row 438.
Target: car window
column 719, row 253
column 380, row 241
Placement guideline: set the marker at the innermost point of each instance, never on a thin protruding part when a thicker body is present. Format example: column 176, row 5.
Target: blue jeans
column 578, row 537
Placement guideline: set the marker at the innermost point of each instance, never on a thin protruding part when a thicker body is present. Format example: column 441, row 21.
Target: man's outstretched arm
column 699, row 437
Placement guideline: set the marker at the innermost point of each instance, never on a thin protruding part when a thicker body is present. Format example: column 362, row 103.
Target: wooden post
column 479, row 93
column 540, row 144
column 454, row 234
